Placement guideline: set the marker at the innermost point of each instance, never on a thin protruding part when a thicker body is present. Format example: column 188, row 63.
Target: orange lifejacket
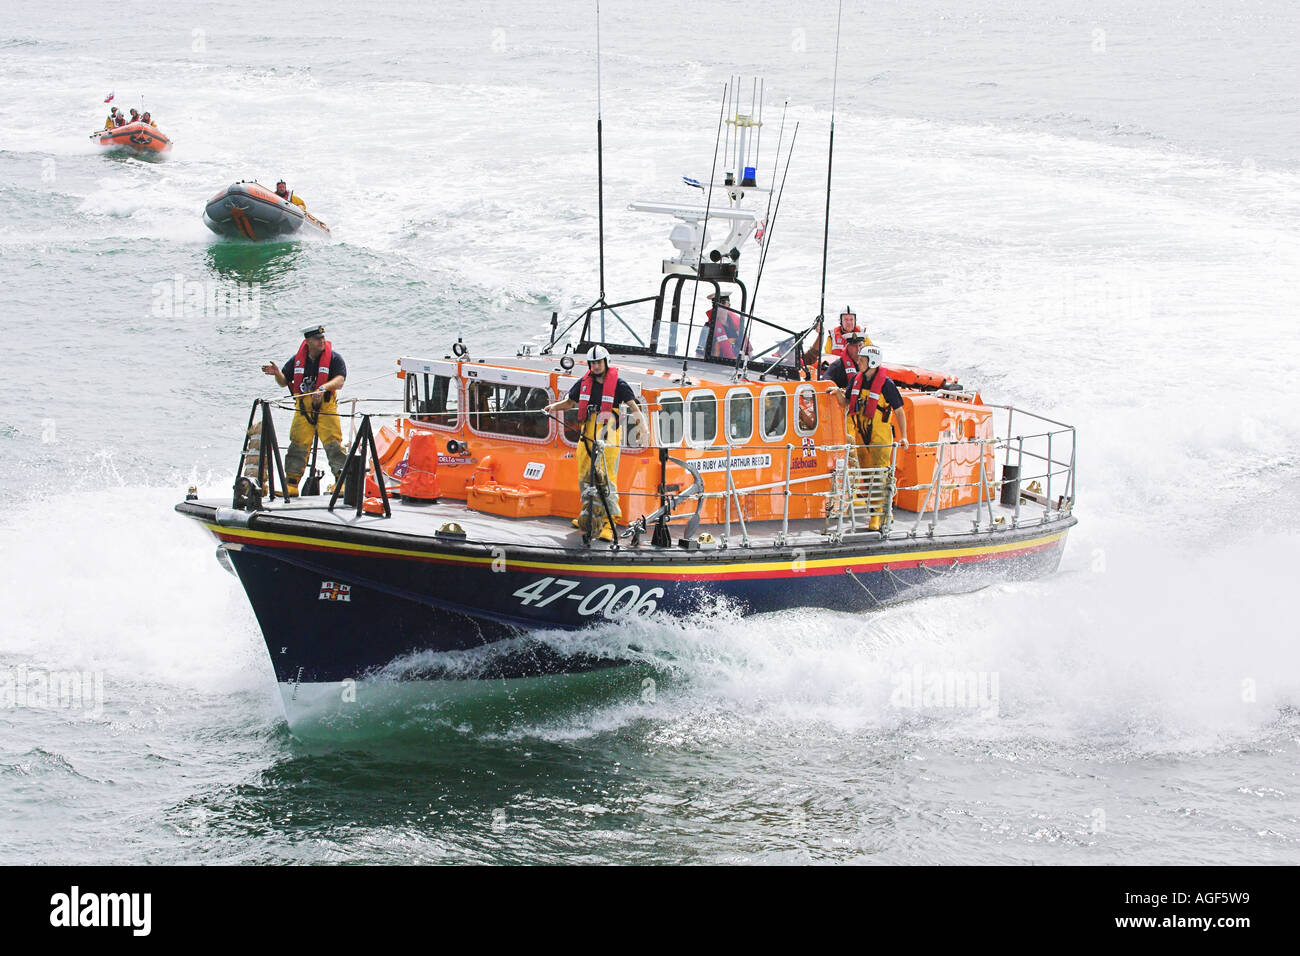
column 726, row 332
column 610, row 386
column 873, row 393
column 300, row 366
column 837, row 338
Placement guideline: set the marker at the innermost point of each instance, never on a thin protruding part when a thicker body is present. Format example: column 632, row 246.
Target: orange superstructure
column 502, row 455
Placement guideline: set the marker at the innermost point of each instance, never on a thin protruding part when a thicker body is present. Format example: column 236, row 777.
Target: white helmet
column 872, row 354
column 597, row 354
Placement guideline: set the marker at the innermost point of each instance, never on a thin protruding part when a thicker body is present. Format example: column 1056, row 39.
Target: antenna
column 704, row 230
column 600, row 162
column 733, row 81
column 830, row 160
column 780, row 137
column 767, row 234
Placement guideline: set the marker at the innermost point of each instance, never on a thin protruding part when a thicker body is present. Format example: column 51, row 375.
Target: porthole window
column 702, row 419
column 669, row 420
column 805, row 400
column 740, row 417
column 774, row 414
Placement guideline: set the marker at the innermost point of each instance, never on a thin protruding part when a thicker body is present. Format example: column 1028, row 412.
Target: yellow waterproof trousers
column 330, row 429
column 875, row 455
column 606, row 467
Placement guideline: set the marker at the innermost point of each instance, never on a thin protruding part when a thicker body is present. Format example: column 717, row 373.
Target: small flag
column 692, row 182
column 109, row 98
column 758, row 233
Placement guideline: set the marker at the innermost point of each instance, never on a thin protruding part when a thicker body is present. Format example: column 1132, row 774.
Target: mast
column 600, row 163
column 704, row 230
column 830, row 161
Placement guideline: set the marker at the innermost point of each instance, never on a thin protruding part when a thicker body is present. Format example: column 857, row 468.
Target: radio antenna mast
column 830, row 160
column 600, row 163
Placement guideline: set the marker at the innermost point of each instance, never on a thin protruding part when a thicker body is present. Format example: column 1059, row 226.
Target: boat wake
column 1106, row 658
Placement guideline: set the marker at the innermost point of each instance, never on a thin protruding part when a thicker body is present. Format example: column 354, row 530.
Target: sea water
column 1090, row 213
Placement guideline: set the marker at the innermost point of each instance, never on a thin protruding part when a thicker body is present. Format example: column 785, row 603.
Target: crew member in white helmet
column 599, row 396
column 871, row 400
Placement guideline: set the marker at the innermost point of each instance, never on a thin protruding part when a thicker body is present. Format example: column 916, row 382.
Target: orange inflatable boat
column 138, row 138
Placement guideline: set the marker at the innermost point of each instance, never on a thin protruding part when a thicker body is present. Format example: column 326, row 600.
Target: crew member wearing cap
column 869, row 397
column 725, row 325
column 282, row 191
column 314, row 376
column 599, row 395
column 112, row 118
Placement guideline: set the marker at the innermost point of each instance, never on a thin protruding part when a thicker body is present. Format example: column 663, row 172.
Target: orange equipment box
column 945, row 417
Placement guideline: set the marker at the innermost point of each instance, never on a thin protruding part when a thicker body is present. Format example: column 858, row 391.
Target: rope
column 850, row 573
column 937, row 573
column 364, row 381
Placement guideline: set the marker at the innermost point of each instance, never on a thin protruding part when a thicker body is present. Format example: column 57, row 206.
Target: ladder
column 859, row 495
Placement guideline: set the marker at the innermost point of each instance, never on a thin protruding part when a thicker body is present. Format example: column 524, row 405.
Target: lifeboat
column 458, row 522
column 248, row 210
column 137, row 138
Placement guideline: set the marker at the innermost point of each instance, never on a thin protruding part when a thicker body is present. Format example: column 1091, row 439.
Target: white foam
column 114, row 580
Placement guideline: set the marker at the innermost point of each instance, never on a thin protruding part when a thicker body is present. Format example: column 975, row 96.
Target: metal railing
column 1036, row 446
column 855, row 497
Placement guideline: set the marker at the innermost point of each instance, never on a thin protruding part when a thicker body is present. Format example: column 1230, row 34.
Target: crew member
column 599, row 396
column 868, row 396
column 135, row 115
column 835, row 338
column 119, row 119
column 283, row 192
column 726, row 325
column 112, row 118
column 147, row 119
column 314, row 376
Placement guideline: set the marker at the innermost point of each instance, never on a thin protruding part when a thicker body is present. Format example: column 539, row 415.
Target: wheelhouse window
column 805, row 399
column 740, row 417
column 510, row 410
column 669, row 420
column 571, row 425
column 774, row 414
column 433, row 399
column 702, row 419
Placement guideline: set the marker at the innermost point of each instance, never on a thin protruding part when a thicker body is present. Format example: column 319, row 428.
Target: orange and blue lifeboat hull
column 141, row 139
column 251, row 211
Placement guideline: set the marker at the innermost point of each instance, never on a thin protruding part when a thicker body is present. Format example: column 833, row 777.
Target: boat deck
column 423, row 520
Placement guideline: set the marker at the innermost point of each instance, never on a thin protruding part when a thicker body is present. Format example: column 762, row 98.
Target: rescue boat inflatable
column 139, row 139
column 248, row 210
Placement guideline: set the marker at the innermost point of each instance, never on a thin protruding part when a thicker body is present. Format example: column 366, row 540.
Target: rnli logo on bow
column 333, row 591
